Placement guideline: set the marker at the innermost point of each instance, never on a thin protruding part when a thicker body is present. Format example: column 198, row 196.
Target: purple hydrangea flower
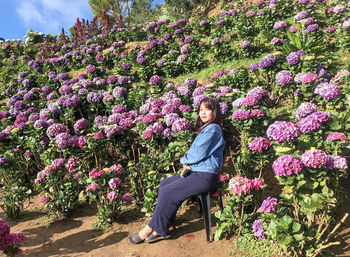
column 301, row 16
column 223, row 107
column 113, row 130
column 64, row 140
column 124, row 80
column 346, row 24
column 244, row 44
column 314, row 121
column 305, row 109
column 119, row 92
column 94, row 97
column 112, row 79
column 283, row 131
column 336, row 162
column 287, row 165
column 56, row 129
column 181, row 58
column 293, row 58
column 328, row 91
column 311, row 28
column 81, row 124
column 267, row 61
column 269, row 204
column 126, row 65
column 90, row 68
column 3, row 160
column 100, row 120
column 253, row 67
column 276, row 41
column 241, row 114
column 258, row 230
column 181, row 124
column 155, row 80
column 279, row 25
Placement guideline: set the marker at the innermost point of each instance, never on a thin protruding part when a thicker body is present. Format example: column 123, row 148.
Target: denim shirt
column 206, row 153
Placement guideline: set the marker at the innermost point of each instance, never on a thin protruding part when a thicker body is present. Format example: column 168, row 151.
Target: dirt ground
column 77, row 237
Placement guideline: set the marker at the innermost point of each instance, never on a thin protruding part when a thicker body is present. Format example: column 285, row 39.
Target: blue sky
column 48, row 16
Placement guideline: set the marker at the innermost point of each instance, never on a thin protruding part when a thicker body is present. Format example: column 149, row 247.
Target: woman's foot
column 141, row 236
column 154, row 237
column 144, row 233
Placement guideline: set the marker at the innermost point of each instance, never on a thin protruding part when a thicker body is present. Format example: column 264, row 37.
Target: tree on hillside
column 130, row 11
column 178, row 8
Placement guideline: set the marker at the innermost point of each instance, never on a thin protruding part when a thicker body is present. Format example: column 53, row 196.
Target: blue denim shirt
column 206, row 153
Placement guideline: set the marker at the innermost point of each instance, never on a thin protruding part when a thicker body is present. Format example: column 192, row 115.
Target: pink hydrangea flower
column 112, row 196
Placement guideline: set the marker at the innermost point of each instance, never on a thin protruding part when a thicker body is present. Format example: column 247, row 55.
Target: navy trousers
column 173, row 191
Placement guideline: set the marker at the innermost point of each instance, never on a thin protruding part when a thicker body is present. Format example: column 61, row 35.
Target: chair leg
column 220, row 202
column 205, row 202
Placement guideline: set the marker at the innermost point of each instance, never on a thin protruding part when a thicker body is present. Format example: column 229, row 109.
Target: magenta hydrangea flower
column 241, row 114
column 147, row 134
column 269, row 204
column 314, row 158
column 112, row 196
column 4, row 228
column 337, row 136
column 45, row 200
column 287, row 165
column 239, row 185
column 258, row 144
column 114, row 183
column 283, row 131
column 126, row 198
column 310, row 78
column 256, row 113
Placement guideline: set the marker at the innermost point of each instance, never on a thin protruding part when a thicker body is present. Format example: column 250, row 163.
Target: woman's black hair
column 214, row 105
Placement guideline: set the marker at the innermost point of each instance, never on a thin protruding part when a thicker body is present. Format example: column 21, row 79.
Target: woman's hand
column 184, row 169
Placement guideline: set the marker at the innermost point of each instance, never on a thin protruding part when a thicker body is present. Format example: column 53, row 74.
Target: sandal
column 152, row 238
column 136, row 239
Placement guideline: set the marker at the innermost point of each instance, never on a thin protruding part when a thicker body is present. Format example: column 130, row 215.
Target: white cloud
column 50, row 16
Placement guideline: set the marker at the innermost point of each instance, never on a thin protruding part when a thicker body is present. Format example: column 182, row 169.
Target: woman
column 199, row 174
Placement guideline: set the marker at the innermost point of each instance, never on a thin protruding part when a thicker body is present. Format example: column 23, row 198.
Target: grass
column 248, row 246
column 213, row 67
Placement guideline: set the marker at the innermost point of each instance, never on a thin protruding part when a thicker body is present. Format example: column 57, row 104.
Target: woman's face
column 205, row 113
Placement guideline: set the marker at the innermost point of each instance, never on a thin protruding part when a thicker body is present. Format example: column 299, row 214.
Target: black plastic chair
column 205, row 210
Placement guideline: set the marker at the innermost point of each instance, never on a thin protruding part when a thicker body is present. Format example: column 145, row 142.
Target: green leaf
column 284, row 239
column 296, row 227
